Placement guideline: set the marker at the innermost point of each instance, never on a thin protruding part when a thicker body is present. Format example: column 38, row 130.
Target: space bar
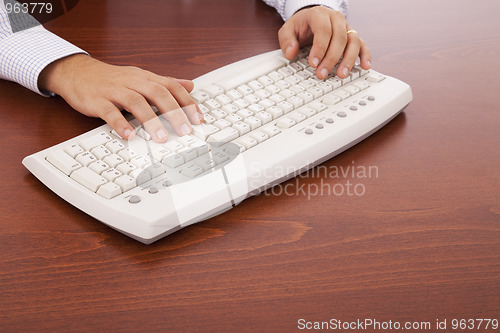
column 252, row 70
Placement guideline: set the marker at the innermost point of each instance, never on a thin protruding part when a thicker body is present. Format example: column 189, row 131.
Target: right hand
column 101, row 90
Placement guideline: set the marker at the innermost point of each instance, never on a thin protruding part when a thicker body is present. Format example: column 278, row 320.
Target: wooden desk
column 421, row 244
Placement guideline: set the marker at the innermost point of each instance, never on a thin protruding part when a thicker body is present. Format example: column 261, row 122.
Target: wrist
column 58, row 74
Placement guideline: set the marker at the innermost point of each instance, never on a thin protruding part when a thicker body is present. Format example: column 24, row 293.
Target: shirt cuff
column 291, row 6
column 24, row 54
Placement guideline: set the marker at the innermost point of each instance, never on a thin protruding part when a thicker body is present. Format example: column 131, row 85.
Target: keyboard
column 266, row 119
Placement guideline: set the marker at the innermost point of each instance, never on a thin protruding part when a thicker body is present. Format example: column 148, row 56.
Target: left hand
column 327, row 30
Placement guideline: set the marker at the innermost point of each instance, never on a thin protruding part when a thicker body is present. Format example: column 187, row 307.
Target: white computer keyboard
column 266, row 120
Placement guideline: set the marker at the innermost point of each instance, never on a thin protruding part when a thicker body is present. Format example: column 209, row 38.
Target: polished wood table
column 419, row 241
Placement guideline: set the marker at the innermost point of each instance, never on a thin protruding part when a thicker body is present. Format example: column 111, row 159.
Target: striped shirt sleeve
column 25, row 53
column 286, row 8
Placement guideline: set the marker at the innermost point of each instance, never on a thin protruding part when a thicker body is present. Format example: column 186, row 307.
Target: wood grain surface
column 421, row 244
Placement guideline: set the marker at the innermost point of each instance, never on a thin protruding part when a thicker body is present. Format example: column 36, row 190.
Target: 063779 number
column 472, row 324
column 28, row 8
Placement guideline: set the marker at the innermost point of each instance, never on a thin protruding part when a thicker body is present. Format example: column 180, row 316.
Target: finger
column 136, row 104
column 187, row 84
column 365, row 56
column 114, row 118
column 183, row 99
column 351, row 53
column 322, row 29
column 288, row 40
column 336, row 47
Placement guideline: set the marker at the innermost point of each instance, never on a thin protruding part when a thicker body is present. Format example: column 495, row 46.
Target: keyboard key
column 109, row 190
column 275, row 111
column 191, row 170
column 140, row 161
column 265, row 80
column 253, row 122
column 275, row 76
column 126, row 168
column 187, row 140
column 111, row 174
column 285, row 122
column 230, row 108
column 187, row 154
column 342, row 94
column 174, row 146
column 200, row 96
column 94, row 141
column 213, row 90
column 159, row 152
column 361, row 84
column 140, row 176
column 220, row 157
column 262, row 94
column 173, row 160
column 100, row 152
column 125, row 182
column 244, row 90
column 88, row 178
column 259, row 136
column 86, row 158
column 203, row 131
column 154, row 170
column 113, row 160
column 222, row 123
column 73, row 150
column 212, row 104
column 264, row 117
column 233, row 118
column 98, row 167
column 351, row 89
column 241, row 127
column 115, row 146
column 63, row 162
column 271, row 130
column 205, row 162
column 295, row 101
column 331, row 100
column 285, row 106
column 247, row 141
column 374, row 77
column 256, row 108
column 255, row 85
column 234, row 94
column 317, row 106
column 307, row 111
column 223, row 99
column 218, row 114
column 225, row 135
column 297, row 116
column 244, row 113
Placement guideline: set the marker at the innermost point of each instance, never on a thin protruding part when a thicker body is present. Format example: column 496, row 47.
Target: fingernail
column 200, row 116
column 161, row 134
column 324, row 72
column 185, row 130
column 369, row 64
column 345, row 71
column 288, row 49
column 126, row 133
column 315, row 61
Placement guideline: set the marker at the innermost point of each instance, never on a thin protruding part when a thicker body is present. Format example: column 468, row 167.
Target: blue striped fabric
column 24, row 54
column 286, row 8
